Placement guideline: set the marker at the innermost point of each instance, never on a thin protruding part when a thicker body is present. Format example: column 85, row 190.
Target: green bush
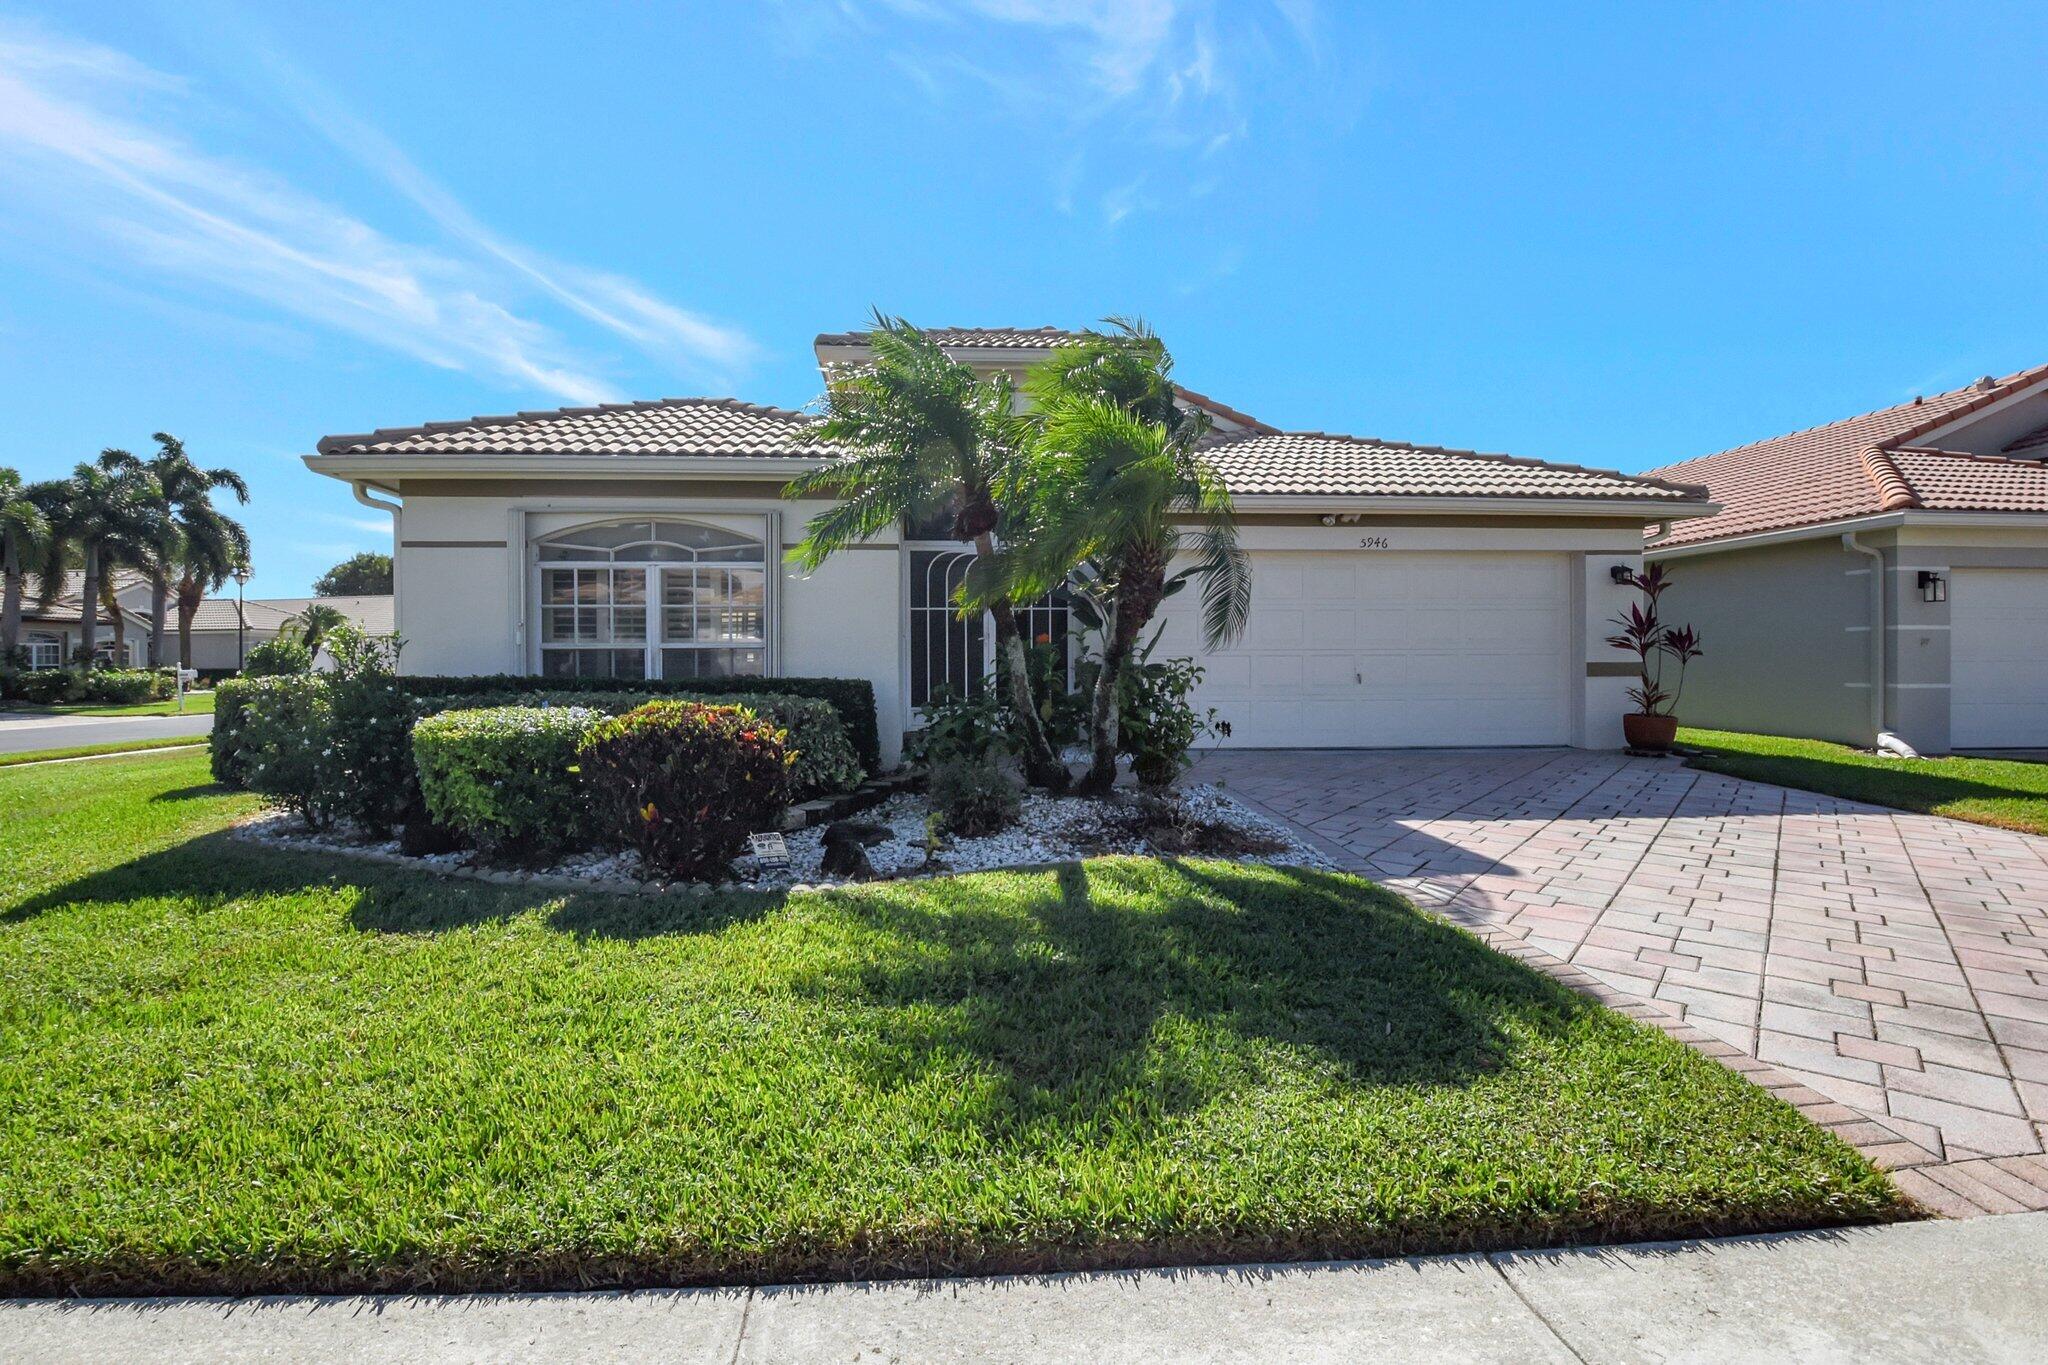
column 278, row 658
column 121, row 686
column 370, row 732
column 49, row 686
column 504, row 776
column 282, row 751
column 963, row 729
column 852, row 698
column 683, row 783
column 1156, row 725
column 973, row 798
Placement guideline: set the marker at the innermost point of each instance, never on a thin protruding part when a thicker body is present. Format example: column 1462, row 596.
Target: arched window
column 45, row 650
column 652, row 598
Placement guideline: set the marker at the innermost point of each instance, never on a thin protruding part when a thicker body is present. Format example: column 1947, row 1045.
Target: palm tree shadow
column 1106, row 997
column 192, row 793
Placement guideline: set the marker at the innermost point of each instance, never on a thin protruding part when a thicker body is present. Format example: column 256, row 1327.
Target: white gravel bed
column 1049, row 829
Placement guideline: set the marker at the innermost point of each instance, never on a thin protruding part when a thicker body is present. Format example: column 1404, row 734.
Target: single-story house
column 52, row 634
column 223, row 629
column 1402, row 594
column 1885, row 574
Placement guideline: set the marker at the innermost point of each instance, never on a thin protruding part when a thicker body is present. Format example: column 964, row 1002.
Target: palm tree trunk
column 189, row 596
column 1141, row 586
column 159, row 598
column 1042, row 767
column 115, row 619
column 10, row 604
column 89, row 605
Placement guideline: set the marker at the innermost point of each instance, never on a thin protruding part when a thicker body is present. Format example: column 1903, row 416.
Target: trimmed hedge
column 504, row 776
column 852, row 698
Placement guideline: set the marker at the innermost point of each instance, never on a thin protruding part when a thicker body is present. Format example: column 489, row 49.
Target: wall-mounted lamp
column 1933, row 587
column 1622, row 574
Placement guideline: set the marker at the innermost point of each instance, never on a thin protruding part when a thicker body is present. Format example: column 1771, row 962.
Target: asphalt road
column 21, row 732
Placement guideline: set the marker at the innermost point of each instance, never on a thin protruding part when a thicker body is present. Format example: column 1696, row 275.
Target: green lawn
column 229, row 1070
column 196, row 704
column 117, row 746
column 2009, row 793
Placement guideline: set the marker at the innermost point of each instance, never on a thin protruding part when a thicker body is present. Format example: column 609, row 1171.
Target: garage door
column 1388, row 650
column 1998, row 662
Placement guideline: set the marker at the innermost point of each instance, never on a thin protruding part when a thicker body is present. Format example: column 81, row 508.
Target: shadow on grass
column 1127, row 991
column 1916, row 785
column 195, row 792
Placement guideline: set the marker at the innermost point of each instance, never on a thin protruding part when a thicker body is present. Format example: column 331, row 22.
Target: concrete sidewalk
column 1948, row 1291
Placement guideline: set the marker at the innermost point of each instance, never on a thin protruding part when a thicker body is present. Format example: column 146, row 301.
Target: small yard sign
column 769, row 850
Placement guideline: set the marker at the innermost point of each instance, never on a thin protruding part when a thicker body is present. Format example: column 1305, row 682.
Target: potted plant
column 1654, row 722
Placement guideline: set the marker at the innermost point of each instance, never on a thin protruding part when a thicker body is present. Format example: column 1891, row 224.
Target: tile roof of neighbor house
column 1316, row 463
column 1862, row 466
column 374, row 614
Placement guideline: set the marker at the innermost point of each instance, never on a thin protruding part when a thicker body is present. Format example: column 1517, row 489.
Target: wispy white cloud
column 1124, row 77
column 84, row 133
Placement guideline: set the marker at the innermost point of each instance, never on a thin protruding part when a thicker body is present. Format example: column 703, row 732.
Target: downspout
column 360, row 487
column 1663, row 530
column 1887, row 743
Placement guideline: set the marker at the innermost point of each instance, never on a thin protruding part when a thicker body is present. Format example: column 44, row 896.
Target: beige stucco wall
column 465, row 570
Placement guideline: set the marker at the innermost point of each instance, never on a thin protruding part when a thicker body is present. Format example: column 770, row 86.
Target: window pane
column 713, row 663
column 629, row 586
column 557, row 623
column 678, row 604
column 590, row 585
column 558, row 586
column 735, row 609
column 630, row 664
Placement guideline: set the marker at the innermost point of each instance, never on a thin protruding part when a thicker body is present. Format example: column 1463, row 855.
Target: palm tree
column 928, row 436
column 104, row 515
column 316, row 620
column 1119, row 472
column 210, row 543
column 24, row 525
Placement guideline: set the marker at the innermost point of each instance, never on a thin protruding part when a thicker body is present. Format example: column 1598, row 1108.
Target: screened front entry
column 652, row 599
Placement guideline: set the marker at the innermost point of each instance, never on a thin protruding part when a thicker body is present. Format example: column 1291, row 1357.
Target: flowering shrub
column 282, row 752
column 684, row 783
column 370, row 732
column 504, row 776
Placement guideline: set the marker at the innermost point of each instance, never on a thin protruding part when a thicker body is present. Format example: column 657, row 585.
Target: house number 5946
column 1372, row 543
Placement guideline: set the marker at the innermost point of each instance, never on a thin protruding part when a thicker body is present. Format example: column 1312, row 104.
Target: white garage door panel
column 1998, row 660
column 1369, row 650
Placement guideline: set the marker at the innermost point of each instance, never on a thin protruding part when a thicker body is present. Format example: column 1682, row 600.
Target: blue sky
column 1616, row 235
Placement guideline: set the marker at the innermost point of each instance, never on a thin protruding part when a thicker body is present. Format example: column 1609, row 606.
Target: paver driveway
column 1895, row 963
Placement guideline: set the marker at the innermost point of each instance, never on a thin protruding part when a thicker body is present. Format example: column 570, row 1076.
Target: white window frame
column 45, row 650
column 653, row 643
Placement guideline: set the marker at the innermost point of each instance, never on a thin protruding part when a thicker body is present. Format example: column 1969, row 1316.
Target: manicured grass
column 196, row 704
column 2009, row 793
column 118, row 746
column 230, row 1069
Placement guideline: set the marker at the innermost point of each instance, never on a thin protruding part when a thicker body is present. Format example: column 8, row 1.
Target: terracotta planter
column 1649, row 732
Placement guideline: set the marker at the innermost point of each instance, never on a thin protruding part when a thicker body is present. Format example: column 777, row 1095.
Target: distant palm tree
column 24, row 526
column 210, row 544
column 315, row 621
column 103, row 515
column 1118, row 475
column 928, row 436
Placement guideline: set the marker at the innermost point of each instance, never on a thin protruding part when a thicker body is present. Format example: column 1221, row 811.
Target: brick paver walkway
column 1896, row 964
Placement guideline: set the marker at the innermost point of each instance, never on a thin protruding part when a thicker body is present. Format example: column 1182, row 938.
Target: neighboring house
column 222, row 629
column 221, row 639
column 1887, row 573
column 52, row 634
column 1402, row 594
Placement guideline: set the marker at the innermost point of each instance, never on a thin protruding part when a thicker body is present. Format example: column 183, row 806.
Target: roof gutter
column 369, row 467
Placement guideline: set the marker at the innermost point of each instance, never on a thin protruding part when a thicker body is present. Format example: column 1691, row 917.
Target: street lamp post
column 241, row 618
